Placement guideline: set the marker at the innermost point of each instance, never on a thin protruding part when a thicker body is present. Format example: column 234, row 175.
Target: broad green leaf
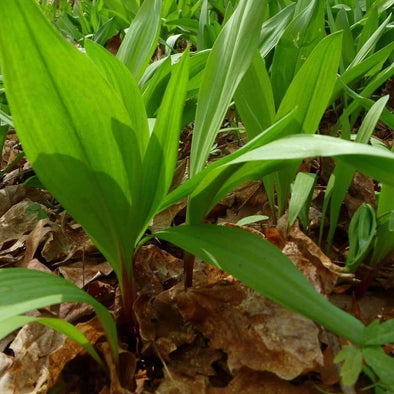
column 161, row 156
column 264, row 268
column 23, row 290
column 273, row 156
column 301, row 197
column 316, row 80
column 379, row 333
column 254, row 98
column 381, row 363
column 273, row 28
column 74, row 129
column 228, row 61
column 348, row 51
column 119, row 77
column 11, row 324
column 154, row 89
column 141, row 38
column 362, row 230
column 374, row 162
column 352, row 366
column 342, row 176
column 205, row 192
column 300, row 37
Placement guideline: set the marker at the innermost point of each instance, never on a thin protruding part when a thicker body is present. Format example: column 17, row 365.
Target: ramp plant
column 83, row 124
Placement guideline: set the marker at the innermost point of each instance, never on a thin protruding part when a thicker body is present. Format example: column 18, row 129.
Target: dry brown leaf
column 15, row 223
column 156, row 269
column 247, row 381
column 160, row 323
column 30, row 371
column 310, row 259
column 253, row 331
column 175, row 383
column 82, row 273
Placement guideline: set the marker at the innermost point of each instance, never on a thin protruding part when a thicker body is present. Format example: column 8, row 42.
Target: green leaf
column 23, row 290
column 74, row 129
column 352, row 366
column 375, row 162
column 254, row 98
column 251, row 219
column 264, row 268
column 362, row 232
column 384, row 241
column 207, row 187
column 379, row 333
column 301, row 197
column 364, row 68
column 218, row 181
column 161, row 156
column 123, row 83
column 381, row 364
column 228, row 61
column 141, row 38
column 370, row 44
column 13, row 323
column 342, row 175
column 298, row 40
column 316, row 80
column 273, row 28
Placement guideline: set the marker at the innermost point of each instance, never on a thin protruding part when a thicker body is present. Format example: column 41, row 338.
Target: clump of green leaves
column 109, row 159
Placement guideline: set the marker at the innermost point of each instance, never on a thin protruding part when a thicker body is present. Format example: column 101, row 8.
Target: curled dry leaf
column 253, row 331
column 30, row 370
column 314, row 264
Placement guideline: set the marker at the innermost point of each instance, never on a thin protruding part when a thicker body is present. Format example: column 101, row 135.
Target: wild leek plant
column 87, row 136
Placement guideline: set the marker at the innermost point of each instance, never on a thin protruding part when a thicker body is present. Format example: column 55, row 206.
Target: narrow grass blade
column 228, row 61
column 74, row 129
column 11, row 324
column 264, row 268
column 141, row 38
column 23, row 290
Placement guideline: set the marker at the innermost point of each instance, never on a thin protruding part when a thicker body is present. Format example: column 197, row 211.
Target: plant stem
column 188, row 265
column 129, row 296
